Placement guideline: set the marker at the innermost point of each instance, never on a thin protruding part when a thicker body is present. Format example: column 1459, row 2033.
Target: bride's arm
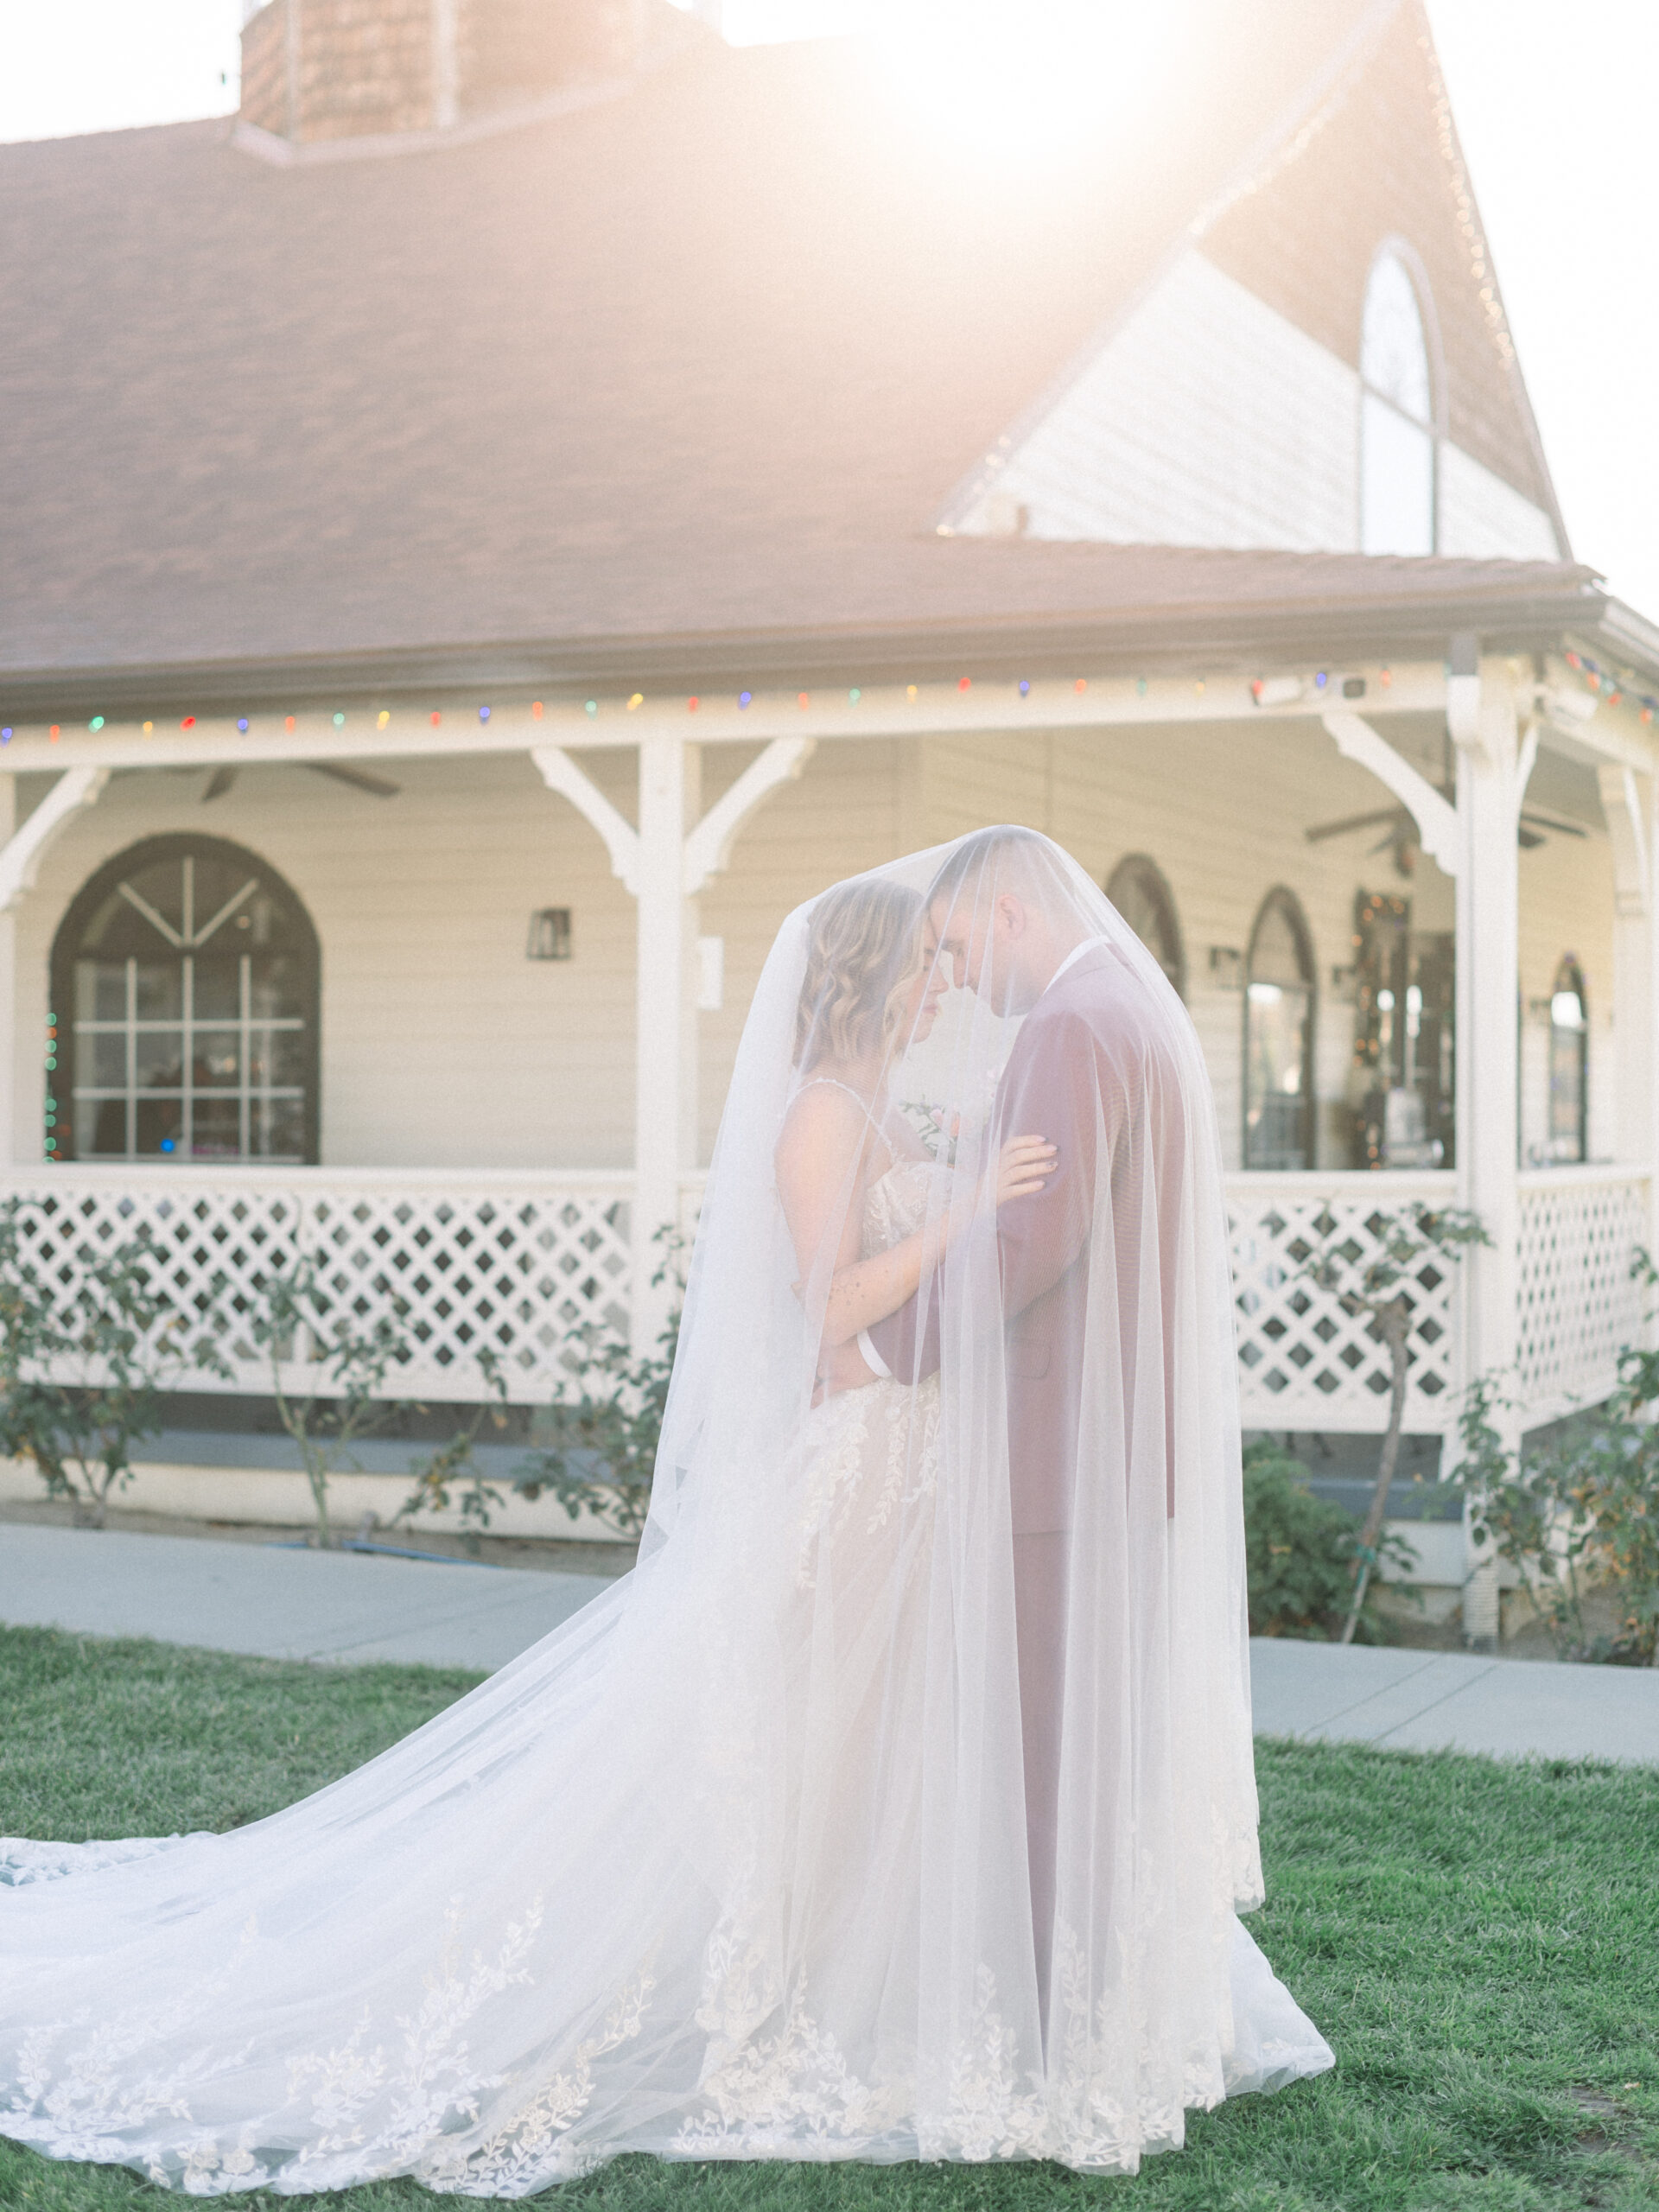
column 869, row 1290
column 823, row 1139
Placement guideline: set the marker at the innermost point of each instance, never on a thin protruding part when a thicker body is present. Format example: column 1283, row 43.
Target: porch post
column 1492, row 765
column 666, row 1092
column 1628, row 801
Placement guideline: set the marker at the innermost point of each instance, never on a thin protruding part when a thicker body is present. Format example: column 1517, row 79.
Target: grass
column 1480, row 1942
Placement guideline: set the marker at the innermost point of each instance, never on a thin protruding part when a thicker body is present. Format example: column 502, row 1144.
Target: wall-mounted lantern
column 550, row 934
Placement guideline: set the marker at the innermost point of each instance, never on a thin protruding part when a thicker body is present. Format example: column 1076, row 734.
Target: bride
column 787, row 1846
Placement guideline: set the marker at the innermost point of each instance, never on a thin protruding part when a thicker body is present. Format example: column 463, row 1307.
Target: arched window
column 1569, row 1063
column 1139, row 894
column 1398, row 409
column 1279, row 1038
column 185, row 985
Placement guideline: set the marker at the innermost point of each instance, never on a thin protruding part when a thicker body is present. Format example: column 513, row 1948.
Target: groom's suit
column 1090, row 1068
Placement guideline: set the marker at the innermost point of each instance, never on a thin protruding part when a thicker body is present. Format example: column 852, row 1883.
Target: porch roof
column 671, row 384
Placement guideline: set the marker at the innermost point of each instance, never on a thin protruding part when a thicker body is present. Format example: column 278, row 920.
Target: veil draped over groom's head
column 1086, row 1727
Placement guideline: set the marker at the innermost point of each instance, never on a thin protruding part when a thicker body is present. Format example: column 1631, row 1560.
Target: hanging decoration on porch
column 1606, row 683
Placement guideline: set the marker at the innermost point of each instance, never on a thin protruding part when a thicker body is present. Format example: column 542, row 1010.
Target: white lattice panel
column 1578, row 1306
column 458, row 1261
column 1304, row 1363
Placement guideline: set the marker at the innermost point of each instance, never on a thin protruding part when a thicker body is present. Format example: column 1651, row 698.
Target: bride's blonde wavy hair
column 864, row 952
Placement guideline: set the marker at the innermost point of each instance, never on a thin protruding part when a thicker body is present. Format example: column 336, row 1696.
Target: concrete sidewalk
column 348, row 1606
column 1444, row 1700
column 280, row 1604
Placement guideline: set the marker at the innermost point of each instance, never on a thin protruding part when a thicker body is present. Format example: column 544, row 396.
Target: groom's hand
column 844, row 1369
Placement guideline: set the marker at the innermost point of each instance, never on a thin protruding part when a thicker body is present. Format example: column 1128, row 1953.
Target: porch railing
column 516, row 1261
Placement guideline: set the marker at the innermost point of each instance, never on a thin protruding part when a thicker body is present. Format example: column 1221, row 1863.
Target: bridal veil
column 900, row 1803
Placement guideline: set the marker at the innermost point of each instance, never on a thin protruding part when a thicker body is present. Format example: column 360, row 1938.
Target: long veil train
column 761, row 1854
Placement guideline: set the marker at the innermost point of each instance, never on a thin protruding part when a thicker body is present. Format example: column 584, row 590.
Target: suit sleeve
column 1052, row 1091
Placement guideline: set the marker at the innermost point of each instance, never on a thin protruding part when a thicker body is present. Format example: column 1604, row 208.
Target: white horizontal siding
column 1206, row 419
column 1483, row 519
column 443, row 1045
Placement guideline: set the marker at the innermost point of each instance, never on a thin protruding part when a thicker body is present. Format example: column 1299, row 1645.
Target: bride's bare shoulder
column 824, row 1123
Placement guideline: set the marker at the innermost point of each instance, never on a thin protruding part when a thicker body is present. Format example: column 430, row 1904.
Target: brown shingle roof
column 697, row 364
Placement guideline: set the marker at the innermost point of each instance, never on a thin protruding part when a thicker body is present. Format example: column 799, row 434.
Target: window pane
column 216, row 1129
column 161, row 1125
column 108, row 1068
column 101, row 1128
column 217, row 989
column 100, row 991
column 278, row 988
column 217, row 1058
column 1397, row 490
column 278, row 1128
column 1277, row 1116
column 1393, row 360
column 1276, row 954
column 161, row 992
column 160, row 1059
column 278, row 1057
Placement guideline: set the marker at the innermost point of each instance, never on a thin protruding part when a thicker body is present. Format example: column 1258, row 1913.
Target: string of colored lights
column 382, row 717
column 1608, row 686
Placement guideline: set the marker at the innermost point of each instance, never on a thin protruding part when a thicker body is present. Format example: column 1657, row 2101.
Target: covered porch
column 708, row 816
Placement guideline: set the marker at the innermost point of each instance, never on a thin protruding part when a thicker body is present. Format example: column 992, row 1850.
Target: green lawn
column 1480, row 1943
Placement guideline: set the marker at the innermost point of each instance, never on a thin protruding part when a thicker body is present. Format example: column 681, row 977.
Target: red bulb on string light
column 288, row 724
column 1573, row 661
column 802, row 699
column 189, row 722
column 691, row 706
column 54, row 732
column 965, row 682
column 1082, row 684
column 535, row 711
column 437, row 719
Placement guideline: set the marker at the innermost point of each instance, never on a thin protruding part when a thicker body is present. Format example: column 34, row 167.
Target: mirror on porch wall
column 185, row 980
column 1279, row 1009
column 1405, row 1036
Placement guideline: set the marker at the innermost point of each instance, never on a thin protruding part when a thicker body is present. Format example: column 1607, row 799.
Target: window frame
column 1569, row 975
column 1399, row 249
column 1141, row 868
column 148, row 852
column 1282, row 900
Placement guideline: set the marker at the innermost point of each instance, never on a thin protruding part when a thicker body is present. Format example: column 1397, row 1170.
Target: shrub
column 1300, row 1551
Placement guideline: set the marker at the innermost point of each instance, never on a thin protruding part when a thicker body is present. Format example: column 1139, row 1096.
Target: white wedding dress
column 730, row 1865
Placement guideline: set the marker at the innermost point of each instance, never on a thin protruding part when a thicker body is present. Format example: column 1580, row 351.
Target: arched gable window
column 185, row 981
column 1279, row 1038
column 1569, row 1063
column 1399, row 407
column 1141, row 895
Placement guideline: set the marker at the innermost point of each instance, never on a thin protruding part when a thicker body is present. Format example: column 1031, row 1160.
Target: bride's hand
column 1023, row 1167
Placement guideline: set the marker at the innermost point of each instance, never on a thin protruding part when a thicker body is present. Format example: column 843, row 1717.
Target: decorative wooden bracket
column 709, row 847
column 20, row 857
column 560, row 774
column 1435, row 816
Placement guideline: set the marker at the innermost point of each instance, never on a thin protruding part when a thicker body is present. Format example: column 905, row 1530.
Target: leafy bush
column 1581, row 1515
column 1300, row 1551
column 83, row 1371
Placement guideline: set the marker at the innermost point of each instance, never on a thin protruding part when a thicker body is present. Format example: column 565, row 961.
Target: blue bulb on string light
column 743, row 697
column 5, row 736
column 242, row 724
column 166, row 1144
column 1320, row 681
column 1024, row 687
column 483, row 714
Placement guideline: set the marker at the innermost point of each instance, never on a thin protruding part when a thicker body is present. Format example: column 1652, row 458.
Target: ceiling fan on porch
column 359, row 778
column 1401, row 836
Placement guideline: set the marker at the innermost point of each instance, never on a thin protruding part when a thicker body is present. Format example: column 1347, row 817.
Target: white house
column 491, row 528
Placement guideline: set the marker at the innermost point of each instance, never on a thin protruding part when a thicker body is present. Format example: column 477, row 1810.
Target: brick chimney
column 321, row 69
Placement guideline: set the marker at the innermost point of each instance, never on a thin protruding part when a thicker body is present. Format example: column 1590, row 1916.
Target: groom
column 1090, row 1068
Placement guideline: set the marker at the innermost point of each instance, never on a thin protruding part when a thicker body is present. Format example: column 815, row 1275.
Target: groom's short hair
column 1004, row 856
